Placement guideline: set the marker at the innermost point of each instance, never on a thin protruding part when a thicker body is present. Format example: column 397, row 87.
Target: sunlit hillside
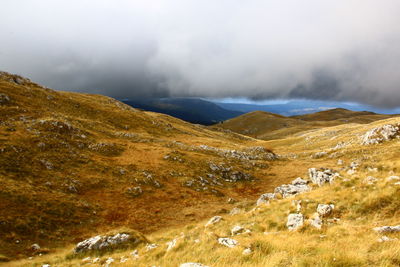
column 269, row 126
column 81, row 169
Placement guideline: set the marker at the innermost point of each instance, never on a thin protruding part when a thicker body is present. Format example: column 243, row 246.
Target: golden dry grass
column 49, row 213
column 269, row 126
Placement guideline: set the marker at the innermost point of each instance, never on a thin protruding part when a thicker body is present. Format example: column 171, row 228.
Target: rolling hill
column 268, row 126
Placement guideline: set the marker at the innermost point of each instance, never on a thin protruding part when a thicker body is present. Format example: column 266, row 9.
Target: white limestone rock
column 387, row 229
column 288, row 190
column 151, row 247
column 135, row 254
column 235, row 211
column 101, row 242
column 299, row 181
column 213, row 220
column 381, row 134
column 109, row 261
column 393, row 178
column 171, row 244
column 295, row 221
column 370, row 180
column 322, row 176
column 247, row 251
column 265, row 198
column 228, row 242
column 386, row 239
column 325, row 210
column 192, row 264
column 35, row 247
column 316, row 221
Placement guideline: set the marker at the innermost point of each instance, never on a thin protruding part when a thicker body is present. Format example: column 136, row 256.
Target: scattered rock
column 370, row 180
column 288, row 190
column 228, row 242
column 134, row 191
column 325, row 210
column 295, row 220
column 340, row 162
column 151, row 247
column 214, row 220
column 35, row 247
column 322, row 176
column 96, row 260
column 192, row 264
column 231, row 201
column 87, row 260
column 264, row 198
column 109, row 261
column 123, row 259
column 235, row 211
column 316, row 221
column 387, row 229
column 393, row 178
column 297, row 204
column 247, row 251
column 135, row 254
column 171, row 244
column 381, row 134
column 4, row 99
column 319, row 155
column 237, row 230
column 386, row 239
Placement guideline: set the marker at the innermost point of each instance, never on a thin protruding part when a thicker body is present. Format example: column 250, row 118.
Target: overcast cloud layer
column 331, row 50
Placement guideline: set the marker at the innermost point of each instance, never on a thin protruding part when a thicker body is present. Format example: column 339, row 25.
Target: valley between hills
column 89, row 181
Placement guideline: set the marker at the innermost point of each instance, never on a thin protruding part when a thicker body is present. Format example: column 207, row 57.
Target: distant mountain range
column 300, row 107
column 192, row 110
column 208, row 112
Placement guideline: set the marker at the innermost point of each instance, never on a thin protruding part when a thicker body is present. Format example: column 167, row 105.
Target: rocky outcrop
column 381, row 134
column 102, row 242
column 295, row 221
column 322, row 176
column 288, row 190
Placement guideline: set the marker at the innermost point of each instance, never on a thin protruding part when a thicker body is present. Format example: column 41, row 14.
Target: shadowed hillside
column 192, row 110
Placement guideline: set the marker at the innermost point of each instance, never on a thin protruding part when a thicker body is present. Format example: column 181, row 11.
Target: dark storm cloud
column 330, row 50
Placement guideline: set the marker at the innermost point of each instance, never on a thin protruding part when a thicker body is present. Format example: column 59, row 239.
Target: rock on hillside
column 381, row 134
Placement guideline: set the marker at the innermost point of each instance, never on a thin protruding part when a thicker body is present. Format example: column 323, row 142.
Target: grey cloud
column 330, row 50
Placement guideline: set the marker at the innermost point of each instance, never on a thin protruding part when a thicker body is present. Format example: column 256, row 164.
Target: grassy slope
column 269, row 126
column 349, row 242
column 67, row 160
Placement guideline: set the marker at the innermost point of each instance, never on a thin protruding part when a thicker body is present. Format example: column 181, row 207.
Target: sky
column 336, row 50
